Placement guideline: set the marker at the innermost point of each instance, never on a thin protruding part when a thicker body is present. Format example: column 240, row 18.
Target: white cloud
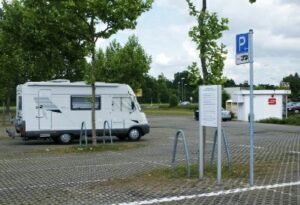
column 162, row 59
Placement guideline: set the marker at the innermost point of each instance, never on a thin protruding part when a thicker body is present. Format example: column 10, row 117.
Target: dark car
column 226, row 115
column 294, row 107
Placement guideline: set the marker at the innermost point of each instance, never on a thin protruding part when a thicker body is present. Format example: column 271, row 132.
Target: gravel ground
column 31, row 177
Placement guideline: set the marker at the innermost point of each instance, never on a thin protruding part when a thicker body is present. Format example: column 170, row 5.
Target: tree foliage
column 205, row 34
column 294, row 84
column 128, row 64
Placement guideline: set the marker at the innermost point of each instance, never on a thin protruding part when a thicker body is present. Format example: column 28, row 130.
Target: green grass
column 165, row 110
column 210, row 172
column 237, row 171
column 91, row 149
column 292, row 120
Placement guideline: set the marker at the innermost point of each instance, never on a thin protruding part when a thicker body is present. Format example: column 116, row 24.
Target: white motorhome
column 57, row 108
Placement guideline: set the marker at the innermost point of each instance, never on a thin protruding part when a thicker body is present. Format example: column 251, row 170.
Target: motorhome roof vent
column 60, row 81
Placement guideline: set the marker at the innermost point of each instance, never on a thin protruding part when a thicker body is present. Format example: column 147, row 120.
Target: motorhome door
column 121, row 107
column 44, row 115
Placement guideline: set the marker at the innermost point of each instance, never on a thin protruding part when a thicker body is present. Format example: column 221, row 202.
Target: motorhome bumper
column 20, row 127
column 145, row 128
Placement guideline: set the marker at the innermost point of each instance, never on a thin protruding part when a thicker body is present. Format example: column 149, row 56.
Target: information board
column 209, row 105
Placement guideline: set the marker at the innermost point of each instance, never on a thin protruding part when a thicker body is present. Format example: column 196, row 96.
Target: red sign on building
column 272, row 101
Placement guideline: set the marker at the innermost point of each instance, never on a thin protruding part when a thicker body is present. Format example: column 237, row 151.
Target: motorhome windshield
column 137, row 104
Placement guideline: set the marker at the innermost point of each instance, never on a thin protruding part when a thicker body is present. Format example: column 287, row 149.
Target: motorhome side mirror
column 132, row 105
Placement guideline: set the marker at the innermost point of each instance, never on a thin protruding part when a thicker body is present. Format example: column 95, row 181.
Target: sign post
column 244, row 54
column 210, row 100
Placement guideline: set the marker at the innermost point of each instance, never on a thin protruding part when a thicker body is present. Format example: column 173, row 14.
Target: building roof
column 263, row 92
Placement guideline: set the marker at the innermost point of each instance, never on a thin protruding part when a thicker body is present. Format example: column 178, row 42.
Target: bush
column 292, row 120
column 173, row 101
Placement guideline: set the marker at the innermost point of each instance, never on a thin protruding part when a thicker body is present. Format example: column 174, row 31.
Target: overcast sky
column 163, row 32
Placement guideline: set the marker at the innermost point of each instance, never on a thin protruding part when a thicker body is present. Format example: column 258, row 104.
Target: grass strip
column 91, row 149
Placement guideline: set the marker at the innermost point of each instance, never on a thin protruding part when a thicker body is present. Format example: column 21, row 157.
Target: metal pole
column 179, row 90
column 182, row 89
column 251, row 110
column 286, row 110
column 200, row 143
column 219, row 165
column 184, row 92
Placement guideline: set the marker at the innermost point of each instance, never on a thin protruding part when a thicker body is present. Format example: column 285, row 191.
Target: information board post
column 210, row 100
column 219, row 128
column 251, row 109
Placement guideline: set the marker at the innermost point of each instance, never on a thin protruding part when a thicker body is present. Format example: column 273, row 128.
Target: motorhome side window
column 20, row 103
column 84, row 103
column 122, row 104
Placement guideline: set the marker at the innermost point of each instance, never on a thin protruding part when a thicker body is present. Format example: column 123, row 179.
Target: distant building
column 267, row 103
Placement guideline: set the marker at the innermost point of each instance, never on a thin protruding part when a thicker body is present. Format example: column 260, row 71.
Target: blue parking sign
column 242, row 43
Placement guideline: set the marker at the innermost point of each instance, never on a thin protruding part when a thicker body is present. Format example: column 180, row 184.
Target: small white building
column 267, row 103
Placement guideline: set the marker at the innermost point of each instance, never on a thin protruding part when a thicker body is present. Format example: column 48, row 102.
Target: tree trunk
column 94, row 136
column 7, row 104
column 203, row 46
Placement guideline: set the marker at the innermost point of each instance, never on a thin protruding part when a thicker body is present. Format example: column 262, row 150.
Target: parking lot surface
column 28, row 176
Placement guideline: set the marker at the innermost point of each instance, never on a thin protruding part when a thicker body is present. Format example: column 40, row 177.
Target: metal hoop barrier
column 83, row 128
column 226, row 146
column 109, row 129
column 180, row 133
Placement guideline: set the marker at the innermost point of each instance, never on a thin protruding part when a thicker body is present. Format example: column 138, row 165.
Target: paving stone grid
column 28, row 177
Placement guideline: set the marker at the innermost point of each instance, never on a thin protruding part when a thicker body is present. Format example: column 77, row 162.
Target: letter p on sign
column 242, row 43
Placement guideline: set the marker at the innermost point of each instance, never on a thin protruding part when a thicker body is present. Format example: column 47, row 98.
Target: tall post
column 200, row 142
column 182, row 89
column 219, row 129
column 184, row 97
column 286, row 110
column 251, row 109
column 179, row 90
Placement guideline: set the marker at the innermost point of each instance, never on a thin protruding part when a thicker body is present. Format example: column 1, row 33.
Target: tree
column 163, row 89
column 98, row 19
column 205, row 34
column 294, row 84
column 120, row 64
column 37, row 43
column 229, row 83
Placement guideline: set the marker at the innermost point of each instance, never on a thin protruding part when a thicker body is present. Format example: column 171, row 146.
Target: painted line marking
column 210, row 194
column 294, row 152
column 240, row 145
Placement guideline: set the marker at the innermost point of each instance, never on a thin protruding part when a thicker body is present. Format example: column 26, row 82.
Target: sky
column 163, row 33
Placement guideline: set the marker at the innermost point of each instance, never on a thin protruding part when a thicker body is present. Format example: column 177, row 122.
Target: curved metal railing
column 180, row 133
column 104, row 130
column 83, row 129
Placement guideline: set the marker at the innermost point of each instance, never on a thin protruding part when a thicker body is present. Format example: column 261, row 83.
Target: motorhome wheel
column 65, row 138
column 134, row 134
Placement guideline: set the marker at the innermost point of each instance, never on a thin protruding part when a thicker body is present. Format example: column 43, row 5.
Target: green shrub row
column 292, row 120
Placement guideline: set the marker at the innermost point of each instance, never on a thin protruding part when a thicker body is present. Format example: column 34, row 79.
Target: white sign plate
column 208, row 113
column 241, row 58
